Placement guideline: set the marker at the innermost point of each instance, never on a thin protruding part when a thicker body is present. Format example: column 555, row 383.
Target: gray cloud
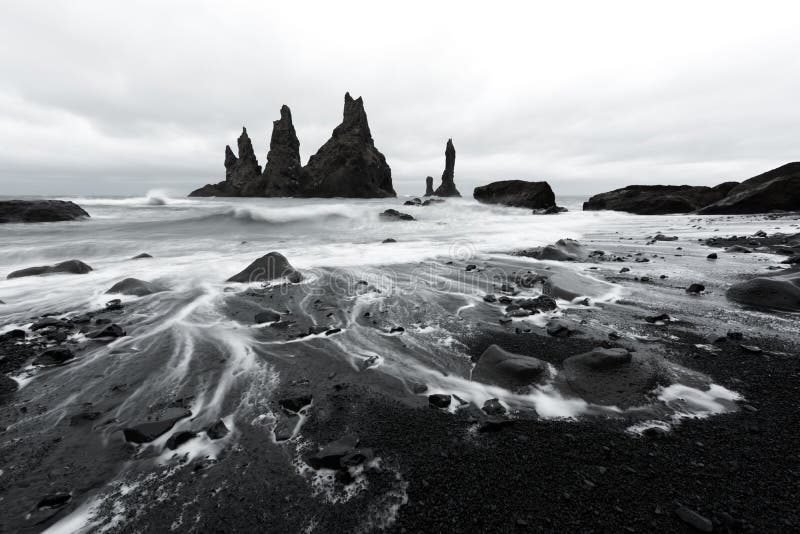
column 105, row 97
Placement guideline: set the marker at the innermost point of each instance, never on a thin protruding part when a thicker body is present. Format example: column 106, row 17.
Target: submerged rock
column 658, row 199
column 502, row 368
column 29, row 211
column 269, row 267
column 179, row 438
column 517, row 193
column 448, row 186
column 394, row 215
column 775, row 190
column 54, row 356
column 135, row 287
column 151, row 430
column 218, row 430
column 348, row 164
column 65, row 267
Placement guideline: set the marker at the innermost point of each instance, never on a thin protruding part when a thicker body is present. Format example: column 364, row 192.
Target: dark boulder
column 151, row 430
column 429, row 186
column 240, row 172
column 658, row 199
column 712, row 256
column 695, row 288
column 135, row 287
column 179, row 438
column 389, row 240
column 267, row 316
column 108, row 332
column 394, row 215
column 295, row 404
column 542, row 303
column 439, row 400
column 348, row 164
column 142, row 256
column 218, row 430
column 28, row 211
column 517, row 193
column 54, row 500
column 54, row 356
column 448, row 186
column 65, row 267
column 771, row 292
column 271, row 266
column 506, row 369
column 493, row 407
column 7, row 385
column 775, row 190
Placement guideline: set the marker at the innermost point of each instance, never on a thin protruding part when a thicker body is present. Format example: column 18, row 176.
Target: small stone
column 696, row 288
column 439, row 400
column 712, row 256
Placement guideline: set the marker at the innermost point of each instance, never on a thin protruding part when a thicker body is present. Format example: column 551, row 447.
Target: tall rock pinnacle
column 282, row 172
column 241, row 173
column 448, row 187
column 429, row 186
column 348, row 164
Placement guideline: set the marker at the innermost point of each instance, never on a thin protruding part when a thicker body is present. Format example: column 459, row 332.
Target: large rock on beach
column 502, row 368
column 349, row 164
column 271, row 266
column 65, row 267
column 27, row 211
column 448, row 186
column 517, row 193
column 658, row 199
column 135, row 287
column 775, row 190
column 780, row 291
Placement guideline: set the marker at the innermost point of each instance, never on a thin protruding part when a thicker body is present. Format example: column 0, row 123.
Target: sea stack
column 283, row 172
column 348, row 164
column 240, row 172
column 448, row 187
column 429, row 186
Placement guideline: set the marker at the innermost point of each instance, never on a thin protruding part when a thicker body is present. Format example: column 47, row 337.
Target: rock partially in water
column 65, row 267
column 135, row 287
column 218, row 430
column 658, row 199
column 110, row 331
column 330, row 456
column 240, row 172
column 394, row 215
column 33, row 211
column 151, row 430
column 271, row 266
column 179, row 438
column 502, row 368
column 775, row 190
column 517, row 193
column 448, row 186
column 54, row 356
column 439, row 400
column 429, row 186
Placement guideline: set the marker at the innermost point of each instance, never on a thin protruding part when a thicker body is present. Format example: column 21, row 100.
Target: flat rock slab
column 568, row 285
column 151, row 430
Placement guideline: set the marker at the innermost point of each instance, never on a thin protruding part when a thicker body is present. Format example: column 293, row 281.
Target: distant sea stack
column 347, row 165
column 429, row 186
column 518, row 194
column 448, row 187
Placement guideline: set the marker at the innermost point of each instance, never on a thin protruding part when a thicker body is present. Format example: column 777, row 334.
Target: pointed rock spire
column 283, row 172
column 448, row 187
column 348, row 164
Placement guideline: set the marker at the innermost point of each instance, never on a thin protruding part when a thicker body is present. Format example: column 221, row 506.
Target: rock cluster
column 347, row 165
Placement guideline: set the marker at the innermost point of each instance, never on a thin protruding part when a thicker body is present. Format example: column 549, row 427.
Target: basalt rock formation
column 775, row 190
column 240, row 173
column 348, row 164
column 25, row 211
column 658, row 199
column 517, row 193
column 283, row 171
column 429, row 186
column 448, row 186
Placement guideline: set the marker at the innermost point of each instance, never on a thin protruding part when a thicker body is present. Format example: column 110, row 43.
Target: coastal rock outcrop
column 517, row 193
column 658, row 199
column 348, row 164
column 775, row 190
column 66, row 267
column 240, row 172
column 429, row 186
column 448, row 186
column 26, row 211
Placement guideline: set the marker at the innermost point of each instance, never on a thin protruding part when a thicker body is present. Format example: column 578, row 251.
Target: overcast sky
column 101, row 97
